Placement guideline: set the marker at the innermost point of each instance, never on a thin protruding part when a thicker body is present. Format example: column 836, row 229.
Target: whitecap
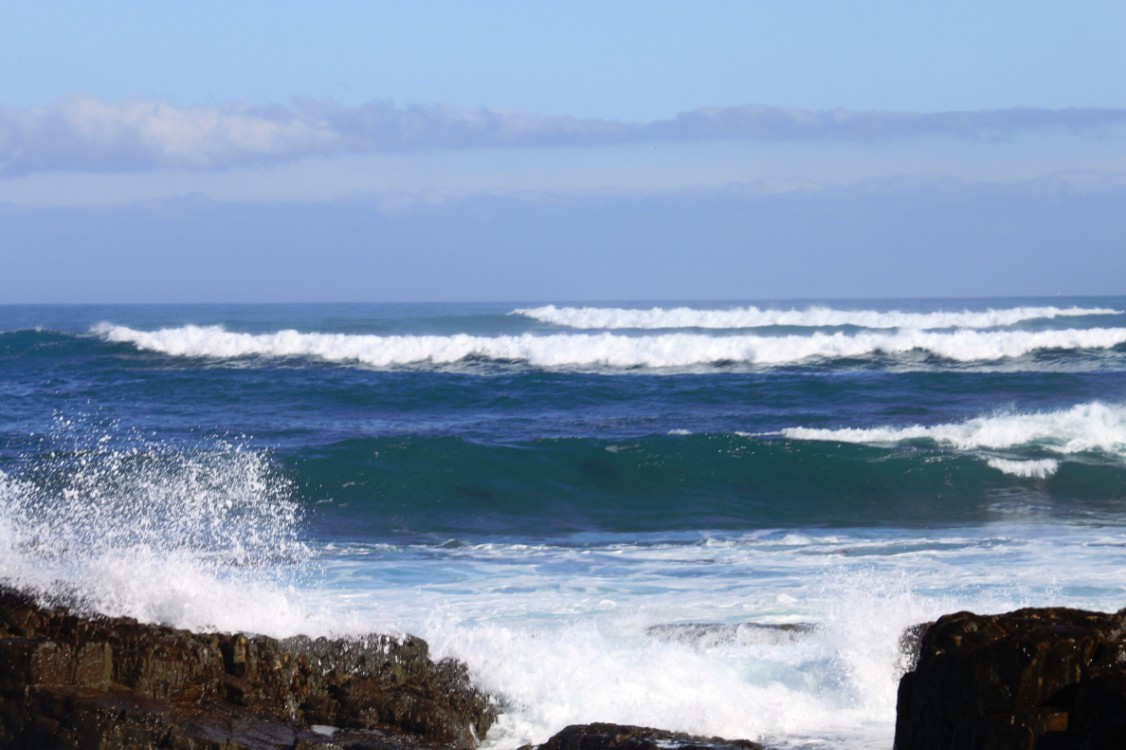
column 605, row 350
column 1083, row 428
column 754, row 317
column 1037, row 469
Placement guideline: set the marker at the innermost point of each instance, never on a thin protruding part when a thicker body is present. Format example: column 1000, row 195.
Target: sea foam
column 564, row 633
column 815, row 317
column 607, row 350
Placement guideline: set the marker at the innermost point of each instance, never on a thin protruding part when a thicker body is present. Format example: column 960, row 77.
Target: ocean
column 715, row 517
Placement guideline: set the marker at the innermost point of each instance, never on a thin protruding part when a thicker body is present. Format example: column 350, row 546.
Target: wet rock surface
column 624, row 737
column 115, row 684
column 1044, row 679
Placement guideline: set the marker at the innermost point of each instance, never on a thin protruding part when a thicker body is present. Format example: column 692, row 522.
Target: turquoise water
column 548, row 492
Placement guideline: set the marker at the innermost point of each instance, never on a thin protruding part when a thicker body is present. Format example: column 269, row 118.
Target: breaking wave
column 814, row 317
column 1040, row 469
column 1085, row 428
column 607, row 350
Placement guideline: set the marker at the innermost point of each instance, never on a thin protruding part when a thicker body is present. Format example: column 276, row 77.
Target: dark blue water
column 488, row 444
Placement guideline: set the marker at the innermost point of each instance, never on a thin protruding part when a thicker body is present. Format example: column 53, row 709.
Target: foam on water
column 565, row 633
column 818, row 317
column 606, row 350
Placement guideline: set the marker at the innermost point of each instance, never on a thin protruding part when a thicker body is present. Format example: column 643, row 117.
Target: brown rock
column 70, row 683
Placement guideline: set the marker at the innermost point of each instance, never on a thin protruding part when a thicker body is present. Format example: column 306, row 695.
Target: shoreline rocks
column 71, row 682
column 1033, row 679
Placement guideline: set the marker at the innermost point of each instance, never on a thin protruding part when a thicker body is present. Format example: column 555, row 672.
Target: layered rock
column 115, row 684
column 1036, row 678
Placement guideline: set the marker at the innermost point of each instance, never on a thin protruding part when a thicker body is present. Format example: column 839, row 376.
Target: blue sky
column 768, row 141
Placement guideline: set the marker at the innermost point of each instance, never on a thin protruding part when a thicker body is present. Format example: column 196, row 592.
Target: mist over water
column 712, row 519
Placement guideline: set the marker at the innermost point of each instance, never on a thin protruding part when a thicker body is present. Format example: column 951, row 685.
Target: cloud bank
column 82, row 134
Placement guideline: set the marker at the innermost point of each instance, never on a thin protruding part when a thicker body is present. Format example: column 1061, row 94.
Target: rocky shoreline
column 116, row 684
column 1034, row 679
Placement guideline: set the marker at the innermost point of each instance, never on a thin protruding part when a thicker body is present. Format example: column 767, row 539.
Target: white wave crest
column 1081, row 429
column 1040, row 469
column 814, row 317
column 605, row 349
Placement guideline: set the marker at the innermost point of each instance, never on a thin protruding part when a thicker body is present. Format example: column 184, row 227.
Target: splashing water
column 201, row 537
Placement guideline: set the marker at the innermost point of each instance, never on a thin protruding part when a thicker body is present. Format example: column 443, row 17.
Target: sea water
column 716, row 518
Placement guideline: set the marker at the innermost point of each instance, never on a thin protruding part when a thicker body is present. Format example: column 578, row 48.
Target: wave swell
column 447, row 487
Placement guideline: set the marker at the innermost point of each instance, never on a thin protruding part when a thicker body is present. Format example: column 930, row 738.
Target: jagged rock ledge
column 70, row 683
column 1033, row 679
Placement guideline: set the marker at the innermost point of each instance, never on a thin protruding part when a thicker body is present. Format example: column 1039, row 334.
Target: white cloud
column 81, row 134
column 84, row 134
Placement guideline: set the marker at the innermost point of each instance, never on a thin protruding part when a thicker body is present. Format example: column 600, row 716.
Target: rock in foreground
column 1043, row 679
column 68, row 682
column 622, row 737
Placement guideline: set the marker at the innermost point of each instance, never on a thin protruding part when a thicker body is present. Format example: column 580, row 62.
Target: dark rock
column 911, row 644
column 1049, row 679
column 70, row 683
column 620, row 737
